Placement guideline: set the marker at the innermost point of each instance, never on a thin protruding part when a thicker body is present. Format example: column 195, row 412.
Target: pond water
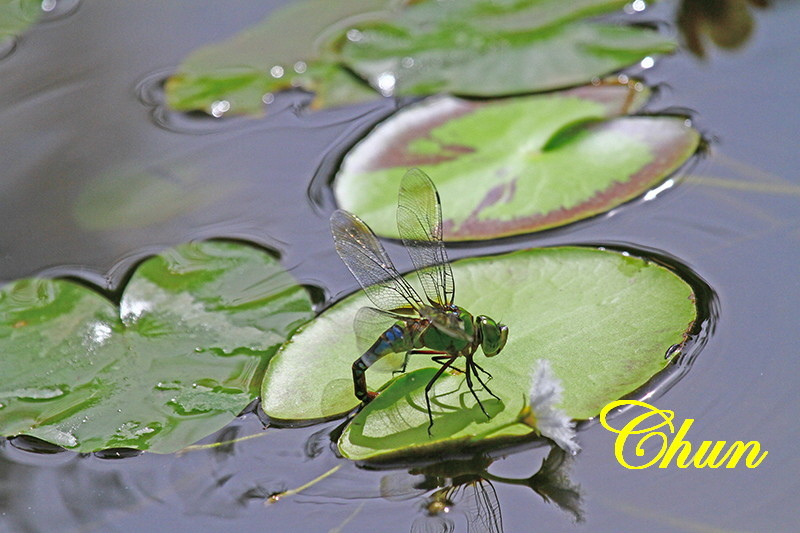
column 97, row 176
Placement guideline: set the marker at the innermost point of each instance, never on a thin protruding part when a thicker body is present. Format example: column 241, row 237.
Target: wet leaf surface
column 178, row 359
column 480, row 48
column 279, row 53
column 17, row 15
column 337, row 50
column 604, row 319
column 518, row 165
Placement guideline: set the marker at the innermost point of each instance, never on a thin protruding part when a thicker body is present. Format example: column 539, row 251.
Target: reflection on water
column 57, row 9
column 232, row 475
column 466, row 488
column 727, row 23
column 125, row 199
column 7, row 46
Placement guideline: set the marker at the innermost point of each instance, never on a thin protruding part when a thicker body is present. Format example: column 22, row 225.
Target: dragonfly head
column 493, row 335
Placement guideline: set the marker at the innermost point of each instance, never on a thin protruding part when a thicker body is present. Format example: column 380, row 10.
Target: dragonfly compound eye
column 493, row 335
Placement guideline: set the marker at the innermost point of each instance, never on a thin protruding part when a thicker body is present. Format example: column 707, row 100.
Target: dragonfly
column 412, row 325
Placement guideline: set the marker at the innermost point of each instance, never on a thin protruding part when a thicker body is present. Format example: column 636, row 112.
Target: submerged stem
column 196, row 447
column 280, row 495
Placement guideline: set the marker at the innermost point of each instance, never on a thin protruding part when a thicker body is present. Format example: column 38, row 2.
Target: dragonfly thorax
column 450, row 330
column 455, row 331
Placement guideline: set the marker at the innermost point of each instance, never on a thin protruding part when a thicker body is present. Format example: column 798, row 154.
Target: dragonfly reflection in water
column 456, row 489
column 465, row 488
column 477, row 498
column 410, row 325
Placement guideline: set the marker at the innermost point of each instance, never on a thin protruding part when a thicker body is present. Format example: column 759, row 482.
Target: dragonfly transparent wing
column 369, row 263
column 419, row 222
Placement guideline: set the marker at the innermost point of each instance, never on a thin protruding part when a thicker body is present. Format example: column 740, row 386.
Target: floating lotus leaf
column 180, row 356
column 17, row 15
column 518, row 165
column 279, row 53
column 604, row 319
column 480, row 48
column 404, row 47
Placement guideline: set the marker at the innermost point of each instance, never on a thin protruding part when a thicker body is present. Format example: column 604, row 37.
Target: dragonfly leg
column 478, row 377
column 472, row 389
column 479, row 367
column 442, row 359
column 402, row 369
column 429, row 386
column 360, row 381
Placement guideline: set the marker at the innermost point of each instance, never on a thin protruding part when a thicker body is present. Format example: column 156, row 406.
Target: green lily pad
column 517, row 165
column 180, row 356
column 279, row 53
column 407, row 47
column 481, row 48
column 17, row 15
column 604, row 319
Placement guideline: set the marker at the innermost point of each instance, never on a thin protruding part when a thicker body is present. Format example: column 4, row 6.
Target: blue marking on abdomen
column 394, row 333
column 383, row 346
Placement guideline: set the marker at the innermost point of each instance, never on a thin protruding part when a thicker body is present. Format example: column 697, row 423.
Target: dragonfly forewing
column 369, row 263
column 419, row 222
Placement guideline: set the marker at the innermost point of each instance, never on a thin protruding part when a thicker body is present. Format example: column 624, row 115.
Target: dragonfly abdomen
column 396, row 339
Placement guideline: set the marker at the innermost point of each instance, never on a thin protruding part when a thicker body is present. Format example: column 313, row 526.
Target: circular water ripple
column 7, row 47
column 58, row 9
column 150, row 91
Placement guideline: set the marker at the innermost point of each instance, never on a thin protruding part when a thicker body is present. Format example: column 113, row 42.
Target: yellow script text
column 674, row 447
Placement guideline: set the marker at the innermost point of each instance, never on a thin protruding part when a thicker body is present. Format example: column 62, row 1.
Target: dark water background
column 95, row 176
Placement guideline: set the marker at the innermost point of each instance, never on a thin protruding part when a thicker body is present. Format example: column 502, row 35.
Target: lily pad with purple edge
column 517, row 165
column 179, row 357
